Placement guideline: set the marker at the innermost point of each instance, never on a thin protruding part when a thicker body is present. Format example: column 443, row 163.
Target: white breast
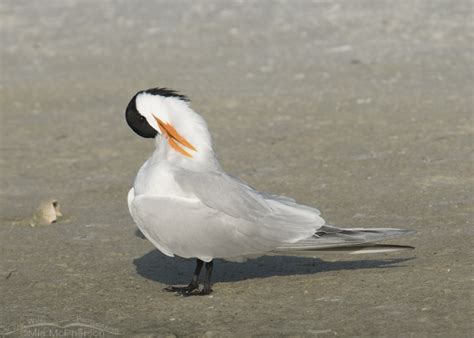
column 156, row 179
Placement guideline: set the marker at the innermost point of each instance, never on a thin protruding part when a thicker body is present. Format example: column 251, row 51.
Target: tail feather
column 356, row 240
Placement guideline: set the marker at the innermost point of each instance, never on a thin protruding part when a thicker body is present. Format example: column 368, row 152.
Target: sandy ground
column 360, row 108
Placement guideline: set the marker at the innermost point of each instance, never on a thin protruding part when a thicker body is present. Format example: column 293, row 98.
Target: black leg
column 194, row 281
column 206, row 290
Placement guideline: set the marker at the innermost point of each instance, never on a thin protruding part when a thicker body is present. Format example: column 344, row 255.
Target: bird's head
column 161, row 111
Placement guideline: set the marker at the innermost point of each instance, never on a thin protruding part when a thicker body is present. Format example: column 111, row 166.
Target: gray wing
column 331, row 237
column 278, row 217
column 224, row 193
column 288, row 201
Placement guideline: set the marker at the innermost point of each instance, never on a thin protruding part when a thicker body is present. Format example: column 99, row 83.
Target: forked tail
column 353, row 240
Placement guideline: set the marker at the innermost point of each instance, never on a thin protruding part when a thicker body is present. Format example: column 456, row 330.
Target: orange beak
column 175, row 140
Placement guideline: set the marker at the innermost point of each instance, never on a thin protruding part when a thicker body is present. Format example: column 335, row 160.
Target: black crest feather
column 166, row 92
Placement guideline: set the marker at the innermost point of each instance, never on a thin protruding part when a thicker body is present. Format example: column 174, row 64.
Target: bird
column 186, row 205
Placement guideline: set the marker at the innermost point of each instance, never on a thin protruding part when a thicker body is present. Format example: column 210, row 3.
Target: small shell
column 47, row 213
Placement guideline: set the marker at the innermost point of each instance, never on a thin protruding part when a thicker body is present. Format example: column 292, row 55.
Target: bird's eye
column 141, row 118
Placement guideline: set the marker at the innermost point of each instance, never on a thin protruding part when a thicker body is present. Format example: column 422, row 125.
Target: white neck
column 194, row 129
column 187, row 123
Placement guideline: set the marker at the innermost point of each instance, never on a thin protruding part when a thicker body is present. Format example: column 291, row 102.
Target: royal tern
column 186, row 205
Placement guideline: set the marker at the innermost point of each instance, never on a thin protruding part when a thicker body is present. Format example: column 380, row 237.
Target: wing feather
column 224, row 193
column 281, row 218
column 222, row 218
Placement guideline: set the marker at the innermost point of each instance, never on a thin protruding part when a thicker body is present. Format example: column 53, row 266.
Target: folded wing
column 231, row 196
column 226, row 219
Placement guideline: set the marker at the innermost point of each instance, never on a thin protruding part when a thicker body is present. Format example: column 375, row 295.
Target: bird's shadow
column 167, row 270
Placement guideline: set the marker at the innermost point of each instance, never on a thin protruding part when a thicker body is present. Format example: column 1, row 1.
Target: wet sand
column 360, row 108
